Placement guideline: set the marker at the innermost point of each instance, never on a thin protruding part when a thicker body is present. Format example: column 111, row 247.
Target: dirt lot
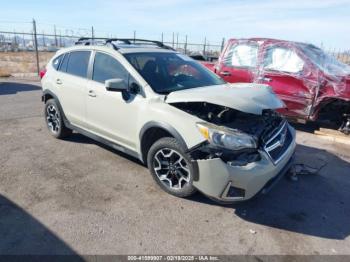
column 21, row 62
column 78, row 197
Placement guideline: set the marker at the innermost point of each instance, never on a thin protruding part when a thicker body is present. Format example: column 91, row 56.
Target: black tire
column 171, row 145
column 54, row 120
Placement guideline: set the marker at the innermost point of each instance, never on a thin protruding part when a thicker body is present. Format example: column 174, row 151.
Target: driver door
column 111, row 115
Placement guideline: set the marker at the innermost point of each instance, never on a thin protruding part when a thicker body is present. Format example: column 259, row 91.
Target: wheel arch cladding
column 47, row 95
column 153, row 131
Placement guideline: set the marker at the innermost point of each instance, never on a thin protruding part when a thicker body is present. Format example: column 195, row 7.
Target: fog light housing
column 232, row 192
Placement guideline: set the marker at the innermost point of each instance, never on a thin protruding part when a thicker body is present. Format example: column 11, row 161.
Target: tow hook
column 345, row 127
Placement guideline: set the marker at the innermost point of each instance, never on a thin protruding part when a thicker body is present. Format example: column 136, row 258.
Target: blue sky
column 314, row 21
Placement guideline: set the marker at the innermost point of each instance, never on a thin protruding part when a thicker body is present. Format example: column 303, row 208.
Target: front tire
column 171, row 167
column 54, row 120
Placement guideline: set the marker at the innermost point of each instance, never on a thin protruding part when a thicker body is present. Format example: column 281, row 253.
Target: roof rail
column 126, row 41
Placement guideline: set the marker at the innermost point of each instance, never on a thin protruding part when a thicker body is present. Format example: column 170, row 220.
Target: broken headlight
column 225, row 137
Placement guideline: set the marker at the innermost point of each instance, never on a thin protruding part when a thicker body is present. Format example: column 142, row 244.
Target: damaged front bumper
column 228, row 183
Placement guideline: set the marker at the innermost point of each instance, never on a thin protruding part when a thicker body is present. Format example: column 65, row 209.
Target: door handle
column 58, row 81
column 225, row 73
column 265, row 79
column 92, row 93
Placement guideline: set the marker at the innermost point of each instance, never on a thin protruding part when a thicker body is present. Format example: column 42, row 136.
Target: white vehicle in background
column 193, row 130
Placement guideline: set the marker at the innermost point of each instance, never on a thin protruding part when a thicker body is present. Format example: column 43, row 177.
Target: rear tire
column 171, row 167
column 54, row 120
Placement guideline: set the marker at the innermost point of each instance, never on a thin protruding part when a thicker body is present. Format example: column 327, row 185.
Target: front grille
column 278, row 144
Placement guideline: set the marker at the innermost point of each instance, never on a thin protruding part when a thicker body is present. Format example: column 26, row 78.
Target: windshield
column 168, row 72
column 329, row 64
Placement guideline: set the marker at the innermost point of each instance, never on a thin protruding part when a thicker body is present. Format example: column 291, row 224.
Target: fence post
column 186, row 45
column 177, row 40
column 205, row 42
column 36, row 47
column 54, row 29
column 44, row 42
column 60, row 39
column 23, row 41
column 15, row 40
column 173, row 40
column 92, row 34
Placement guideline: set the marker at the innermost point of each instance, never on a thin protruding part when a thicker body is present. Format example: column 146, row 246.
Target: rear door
column 283, row 69
column 239, row 63
column 71, row 82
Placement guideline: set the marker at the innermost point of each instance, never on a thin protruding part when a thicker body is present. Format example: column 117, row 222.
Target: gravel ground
column 76, row 196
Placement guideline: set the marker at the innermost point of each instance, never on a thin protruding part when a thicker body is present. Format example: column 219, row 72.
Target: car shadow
column 316, row 205
column 79, row 138
column 22, row 234
column 10, row 88
column 311, row 127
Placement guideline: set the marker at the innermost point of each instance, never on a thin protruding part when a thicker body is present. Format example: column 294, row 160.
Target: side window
column 283, row 59
column 107, row 67
column 64, row 63
column 78, row 63
column 242, row 55
column 56, row 62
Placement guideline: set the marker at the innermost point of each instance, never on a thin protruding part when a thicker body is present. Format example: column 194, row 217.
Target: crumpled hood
column 245, row 97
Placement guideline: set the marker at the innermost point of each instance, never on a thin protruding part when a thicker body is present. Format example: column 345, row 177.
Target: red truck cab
column 312, row 84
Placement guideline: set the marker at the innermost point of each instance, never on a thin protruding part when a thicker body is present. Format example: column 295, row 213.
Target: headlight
column 226, row 137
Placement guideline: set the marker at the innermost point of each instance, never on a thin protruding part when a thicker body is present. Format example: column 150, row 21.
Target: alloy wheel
column 53, row 119
column 171, row 168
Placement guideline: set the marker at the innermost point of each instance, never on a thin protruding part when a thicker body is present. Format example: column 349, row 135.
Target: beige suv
column 193, row 130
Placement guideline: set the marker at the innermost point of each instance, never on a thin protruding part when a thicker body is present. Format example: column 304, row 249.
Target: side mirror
column 116, row 85
column 134, row 88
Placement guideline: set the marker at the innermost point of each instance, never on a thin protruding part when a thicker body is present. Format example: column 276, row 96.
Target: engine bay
column 259, row 126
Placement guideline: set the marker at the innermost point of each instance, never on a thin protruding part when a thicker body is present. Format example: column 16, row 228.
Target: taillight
column 42, row 73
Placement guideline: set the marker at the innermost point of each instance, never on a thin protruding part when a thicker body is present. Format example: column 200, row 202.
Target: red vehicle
column 312, row 84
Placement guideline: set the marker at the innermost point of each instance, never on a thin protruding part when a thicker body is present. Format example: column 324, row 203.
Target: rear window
column 78, row 63
column 64, row 63
column 56, row 62
column 283, row 60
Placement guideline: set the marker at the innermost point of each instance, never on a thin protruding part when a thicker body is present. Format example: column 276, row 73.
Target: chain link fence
column 28, row 52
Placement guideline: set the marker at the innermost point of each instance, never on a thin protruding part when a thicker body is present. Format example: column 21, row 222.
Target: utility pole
column 205, row 42
column 36, row 47
column 55, row 33
column 134, row 36
column 162, row 38
column 186, row 45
